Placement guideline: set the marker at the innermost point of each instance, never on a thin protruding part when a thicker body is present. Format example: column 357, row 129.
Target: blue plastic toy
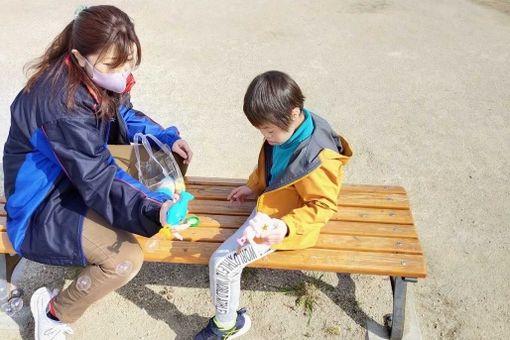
column 176, row 215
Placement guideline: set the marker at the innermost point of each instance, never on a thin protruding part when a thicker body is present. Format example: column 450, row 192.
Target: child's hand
column 164, row 209
column 269, row 230
column 182, row 148
column 239, row 194
column 277, row 232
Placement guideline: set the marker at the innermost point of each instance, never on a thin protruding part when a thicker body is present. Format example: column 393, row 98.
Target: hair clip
column 79, row 10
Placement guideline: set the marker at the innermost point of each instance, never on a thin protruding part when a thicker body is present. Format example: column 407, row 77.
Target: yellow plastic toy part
column 166, row 231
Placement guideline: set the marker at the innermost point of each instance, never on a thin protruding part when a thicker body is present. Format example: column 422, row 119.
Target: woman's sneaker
column 46, row 328
column 212, row 332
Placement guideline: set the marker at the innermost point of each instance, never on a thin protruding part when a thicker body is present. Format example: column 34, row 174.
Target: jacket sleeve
column 319, row 193
column 257, row 180
column 136, row 121
column 81, row 151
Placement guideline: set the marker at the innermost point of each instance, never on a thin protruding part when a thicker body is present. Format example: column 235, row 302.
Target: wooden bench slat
column 326, row 241
column 347, row 262
column 228, row 182
column 370, row 229
column 373, row 199
column 217, row 207
column 214, row 181
column 306, row 259
column 377, row 215
column 357, row 214
column 333, row 227
column 393, row 189
column 351, row 195
column 5, row 244
column 337, row 241
column 367, row 243
column 346, row 198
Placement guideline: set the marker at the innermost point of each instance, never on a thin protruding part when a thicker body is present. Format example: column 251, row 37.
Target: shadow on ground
column 343, row 294
column 159, row 306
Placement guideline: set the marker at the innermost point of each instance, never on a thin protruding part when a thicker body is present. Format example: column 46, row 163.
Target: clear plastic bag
column 157, row 170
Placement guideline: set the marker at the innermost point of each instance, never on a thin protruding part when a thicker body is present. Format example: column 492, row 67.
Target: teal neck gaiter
column 282, row 153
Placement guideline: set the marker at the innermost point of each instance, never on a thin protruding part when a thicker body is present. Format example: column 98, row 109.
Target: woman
column 68, row 203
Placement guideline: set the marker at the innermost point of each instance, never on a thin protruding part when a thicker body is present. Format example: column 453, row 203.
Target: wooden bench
column 372, row 233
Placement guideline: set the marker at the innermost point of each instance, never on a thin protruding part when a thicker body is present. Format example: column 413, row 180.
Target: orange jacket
column 305, row 196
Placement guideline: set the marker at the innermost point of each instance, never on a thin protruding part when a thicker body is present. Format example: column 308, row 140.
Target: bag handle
column 168, row 151
column 162, row 146
column 140, row 137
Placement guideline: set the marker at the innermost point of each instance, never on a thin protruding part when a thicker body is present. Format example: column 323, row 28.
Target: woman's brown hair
column 95, row 30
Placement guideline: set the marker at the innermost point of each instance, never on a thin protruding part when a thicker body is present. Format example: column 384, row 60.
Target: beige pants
column 114, row 256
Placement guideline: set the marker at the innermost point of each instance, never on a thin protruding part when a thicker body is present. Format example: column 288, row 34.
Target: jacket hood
column 306, row 156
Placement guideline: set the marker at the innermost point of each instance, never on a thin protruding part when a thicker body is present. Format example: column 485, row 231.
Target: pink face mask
column 114, row 81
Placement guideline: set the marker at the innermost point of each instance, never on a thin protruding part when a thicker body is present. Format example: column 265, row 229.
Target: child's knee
column 226, row 269
column 221, row 257
column 216, row 258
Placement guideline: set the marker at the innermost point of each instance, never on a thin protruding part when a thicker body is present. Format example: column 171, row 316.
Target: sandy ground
column 421, row 90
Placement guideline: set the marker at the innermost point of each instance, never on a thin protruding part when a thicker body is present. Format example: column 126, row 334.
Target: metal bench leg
column 4, row 286
column 396, row 321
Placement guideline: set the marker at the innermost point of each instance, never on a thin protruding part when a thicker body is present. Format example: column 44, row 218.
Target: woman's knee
column 107, row 247
column 132, row 258
column 126, row 261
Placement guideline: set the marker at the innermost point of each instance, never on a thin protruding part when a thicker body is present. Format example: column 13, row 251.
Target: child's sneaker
column 212, row 332
column 46, row 328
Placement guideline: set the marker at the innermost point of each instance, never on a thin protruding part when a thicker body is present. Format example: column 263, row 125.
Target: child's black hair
column 270, row 98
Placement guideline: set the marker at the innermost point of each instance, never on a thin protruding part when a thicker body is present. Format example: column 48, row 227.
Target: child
column 68, row 202
column 297, row 180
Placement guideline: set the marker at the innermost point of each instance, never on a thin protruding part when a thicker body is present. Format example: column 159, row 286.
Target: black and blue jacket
column 57, row 166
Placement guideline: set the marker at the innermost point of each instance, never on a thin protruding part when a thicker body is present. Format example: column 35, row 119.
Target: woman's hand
column 182, row 148
column 164, row 209
column 162, row 218
column 239, row 194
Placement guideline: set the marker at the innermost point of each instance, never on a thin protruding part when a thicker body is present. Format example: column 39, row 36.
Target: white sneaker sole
column 244, row 330
column 35, row 301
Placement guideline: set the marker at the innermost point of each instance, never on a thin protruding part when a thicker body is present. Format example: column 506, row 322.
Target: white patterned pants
column 225, row 267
